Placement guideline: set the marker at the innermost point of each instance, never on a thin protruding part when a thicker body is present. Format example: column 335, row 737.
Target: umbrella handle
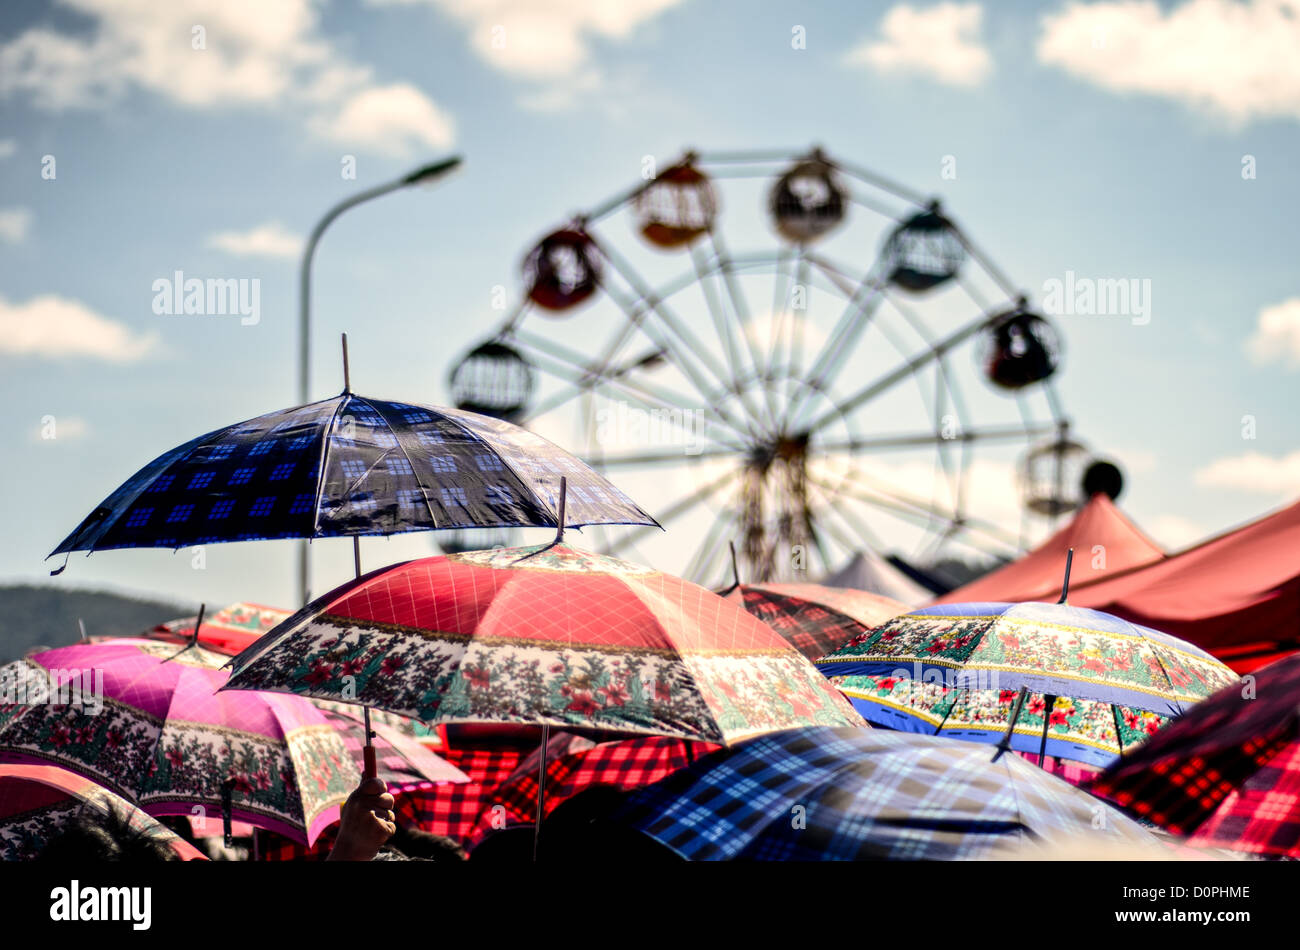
column 370, row 770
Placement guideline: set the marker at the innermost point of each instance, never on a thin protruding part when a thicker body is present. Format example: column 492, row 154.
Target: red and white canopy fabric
column 1235, row 594
column 547, row 635
column 228, row 630
column 1105, row 543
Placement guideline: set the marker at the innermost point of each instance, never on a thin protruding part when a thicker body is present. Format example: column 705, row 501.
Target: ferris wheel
column 788, row 352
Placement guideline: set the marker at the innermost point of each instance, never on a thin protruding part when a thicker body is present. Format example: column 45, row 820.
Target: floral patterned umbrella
column 37, row 801
column 815, row 619
column 1095, row 685
column 147, row 722
column 1081, row 730
column 548, row 635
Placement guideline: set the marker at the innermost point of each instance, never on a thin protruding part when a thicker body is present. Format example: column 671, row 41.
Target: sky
column 1136, row 141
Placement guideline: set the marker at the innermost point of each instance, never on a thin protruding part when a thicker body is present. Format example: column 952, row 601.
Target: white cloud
column 265, row 240
column 1174, row 532
column 14, row 225
column 1277, row 334
column 253, row 53
column 1238, row 60
column 942, row 42
column 391, row 119
column 543, row 39
column 8, row 148
column 56, row 327
column 1254, row 472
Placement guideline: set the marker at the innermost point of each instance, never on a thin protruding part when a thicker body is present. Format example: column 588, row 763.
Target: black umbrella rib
column 324, row 457
column 424, row 492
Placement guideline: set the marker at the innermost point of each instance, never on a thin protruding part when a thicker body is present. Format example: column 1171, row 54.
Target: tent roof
column 1038, row 575
column 1238, row 588
column 868, row 571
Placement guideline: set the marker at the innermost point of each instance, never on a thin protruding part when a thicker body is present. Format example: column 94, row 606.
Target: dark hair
column 420, row 845
column 94, row 835
column 509, row 845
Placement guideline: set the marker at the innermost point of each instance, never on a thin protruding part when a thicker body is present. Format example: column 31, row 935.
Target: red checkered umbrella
column 575, row 764
column 547, row 635
column 1227, row 772
column 453, row 810
column 814, row 619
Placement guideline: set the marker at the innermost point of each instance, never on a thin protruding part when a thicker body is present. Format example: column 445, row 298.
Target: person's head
column 512, row 845
column 94, row 835
column 421, row 845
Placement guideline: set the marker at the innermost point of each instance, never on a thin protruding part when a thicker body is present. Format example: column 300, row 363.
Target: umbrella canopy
column 853, row 794
column 1054, row 649
column 1080, row 730
column 156, row 731
column 228, row 630
column 38, row 801
column 401, row 759
column 813, row 619
column 548, row 635
column 349, row 466
column 1228, row 772
column 1037, row 575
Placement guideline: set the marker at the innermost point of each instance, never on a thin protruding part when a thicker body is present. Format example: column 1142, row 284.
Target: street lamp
column 420, row 176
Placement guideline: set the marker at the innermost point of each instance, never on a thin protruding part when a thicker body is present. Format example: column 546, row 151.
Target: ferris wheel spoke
column 912, row 440
column 984, row 261
column 722, row 326
column 740, row 309
column 710, row 548
column 684, row 357
column 799, row 337
column 965, row 533
column 910, row 367
column 781, row 285
column 858, row 533
column 648, row 401
column 919, row 511
column 857, row 314
column 671, row 513
column 666, row 457
column 876, row 180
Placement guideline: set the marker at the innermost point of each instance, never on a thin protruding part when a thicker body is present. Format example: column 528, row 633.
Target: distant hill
column 32, row 615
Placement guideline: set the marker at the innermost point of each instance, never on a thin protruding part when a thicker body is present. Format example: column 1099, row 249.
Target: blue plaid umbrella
column 349, row 466
column 835, row 793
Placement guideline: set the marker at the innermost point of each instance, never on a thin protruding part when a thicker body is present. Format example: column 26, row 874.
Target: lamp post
column 423, row 175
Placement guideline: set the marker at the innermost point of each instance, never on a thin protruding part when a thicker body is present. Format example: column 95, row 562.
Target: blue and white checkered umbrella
column 350, row 466
column 834, row 793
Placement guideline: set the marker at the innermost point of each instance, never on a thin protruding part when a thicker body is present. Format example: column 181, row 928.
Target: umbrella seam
column 424, row 492
column 324, row 458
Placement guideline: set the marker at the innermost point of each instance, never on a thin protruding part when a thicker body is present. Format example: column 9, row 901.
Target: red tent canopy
column 1233, row 595
column 1038, row 575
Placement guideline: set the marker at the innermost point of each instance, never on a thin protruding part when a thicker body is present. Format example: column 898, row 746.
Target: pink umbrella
column 36, row 801
column 147, row 722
